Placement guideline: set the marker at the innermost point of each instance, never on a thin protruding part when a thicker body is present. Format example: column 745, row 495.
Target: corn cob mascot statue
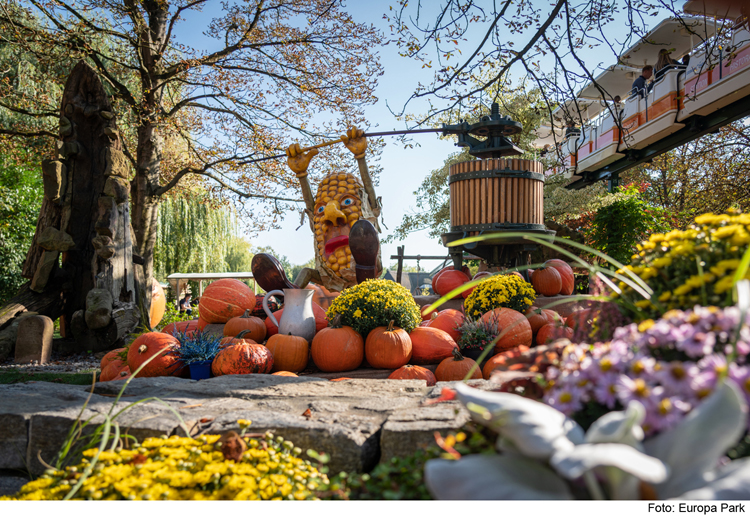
column 343, row 216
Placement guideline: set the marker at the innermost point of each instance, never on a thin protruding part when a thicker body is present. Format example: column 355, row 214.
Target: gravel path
column 79, row 363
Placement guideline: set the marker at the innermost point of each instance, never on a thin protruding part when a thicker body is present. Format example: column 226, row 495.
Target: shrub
column 374, row 303
column 497, row 291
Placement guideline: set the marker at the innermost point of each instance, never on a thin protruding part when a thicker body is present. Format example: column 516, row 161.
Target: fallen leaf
column 307, row 413
column 206, row 419
column 191, row 406
column 232, row 446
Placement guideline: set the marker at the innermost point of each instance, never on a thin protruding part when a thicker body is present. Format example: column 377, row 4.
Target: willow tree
column 278, row 71
column 194, row 234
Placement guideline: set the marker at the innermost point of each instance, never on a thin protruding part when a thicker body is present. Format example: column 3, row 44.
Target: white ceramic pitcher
column 298, row 318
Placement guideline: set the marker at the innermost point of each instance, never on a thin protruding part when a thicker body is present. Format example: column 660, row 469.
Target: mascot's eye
column 347, row 202
column 320, row 209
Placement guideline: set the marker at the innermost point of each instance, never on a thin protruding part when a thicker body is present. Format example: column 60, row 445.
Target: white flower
column 551, row 449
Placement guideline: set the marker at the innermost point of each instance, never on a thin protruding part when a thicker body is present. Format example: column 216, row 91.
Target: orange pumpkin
column 449, row 280
column 388, row 347
column 550, row 333
column 448, row 320
column 553, row 317
column 321, row 320
column 427, row 316
column 290, row 353
column 247, row 322
column 109, row 357
column 322, row 296
column 504, row 360
column 201, row 323
column 285, row 373
column 513, row 327
column 536, row 318
column 337, row 348
column 242, row 359
column 457, row 368
column 188, row 326
column 410, row 372
column 225, row 299
column 122, row 375
column 566, row 274
column 547, row 281
column 236, row 339
column 113, row 368
column 518, row 274
column 158, row 303
column 159, row 346
column 430, row 345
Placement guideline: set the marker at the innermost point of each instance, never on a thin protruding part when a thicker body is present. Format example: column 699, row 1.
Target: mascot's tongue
column 336, row 242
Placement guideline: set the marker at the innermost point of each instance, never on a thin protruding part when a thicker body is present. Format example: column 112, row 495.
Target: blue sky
column 403, row 169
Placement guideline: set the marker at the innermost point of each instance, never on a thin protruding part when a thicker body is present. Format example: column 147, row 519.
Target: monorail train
column 715, row 72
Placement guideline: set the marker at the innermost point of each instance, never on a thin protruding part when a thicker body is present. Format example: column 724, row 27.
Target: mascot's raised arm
column 343, row 216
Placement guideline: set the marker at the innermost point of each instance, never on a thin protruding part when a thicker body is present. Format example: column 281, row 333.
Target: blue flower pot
column 200, row 370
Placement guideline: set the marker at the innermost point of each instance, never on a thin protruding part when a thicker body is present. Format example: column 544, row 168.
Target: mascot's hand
column 355, row 141
column 298, row 160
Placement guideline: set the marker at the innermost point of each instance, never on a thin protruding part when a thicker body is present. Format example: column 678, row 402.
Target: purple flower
column 605, row 390
column 568, row 399
column 628, row 389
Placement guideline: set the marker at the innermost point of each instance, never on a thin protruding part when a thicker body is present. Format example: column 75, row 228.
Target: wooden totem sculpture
column 81, row 261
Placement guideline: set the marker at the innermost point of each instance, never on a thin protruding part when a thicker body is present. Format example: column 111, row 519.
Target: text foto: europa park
column 703, row 508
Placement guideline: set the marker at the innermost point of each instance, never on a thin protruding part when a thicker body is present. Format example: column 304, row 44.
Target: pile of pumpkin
column 555, row 277
column 252, row 345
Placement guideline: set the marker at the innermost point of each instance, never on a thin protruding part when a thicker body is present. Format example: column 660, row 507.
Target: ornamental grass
column 181, row 468
column 684, row 268
column 509, row 291
column 374, row 303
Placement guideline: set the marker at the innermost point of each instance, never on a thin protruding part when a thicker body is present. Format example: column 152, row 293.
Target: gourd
column 337, row 348
column 456, row 368
column 513, row 327
column 552, row 332
column 410, row 372
column 247, row 322
column 566, row 275
column 388, row 347
column 547, row 281
column 186, row 327
column 448, row 320
column 290, row 353
column 162, row 348
column 242, row 359
column 225, row 299
column 112, row 365
column 505, row 361
column 449, row 280
column 158, row 303
column 430, row 345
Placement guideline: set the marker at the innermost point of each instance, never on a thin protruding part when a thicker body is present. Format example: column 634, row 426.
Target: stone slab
column 358, row 422
column 34, row 340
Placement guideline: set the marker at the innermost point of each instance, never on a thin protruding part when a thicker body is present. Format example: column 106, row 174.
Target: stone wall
column 358, row 422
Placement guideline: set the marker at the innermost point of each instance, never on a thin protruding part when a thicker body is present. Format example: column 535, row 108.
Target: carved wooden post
column 83, row 250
